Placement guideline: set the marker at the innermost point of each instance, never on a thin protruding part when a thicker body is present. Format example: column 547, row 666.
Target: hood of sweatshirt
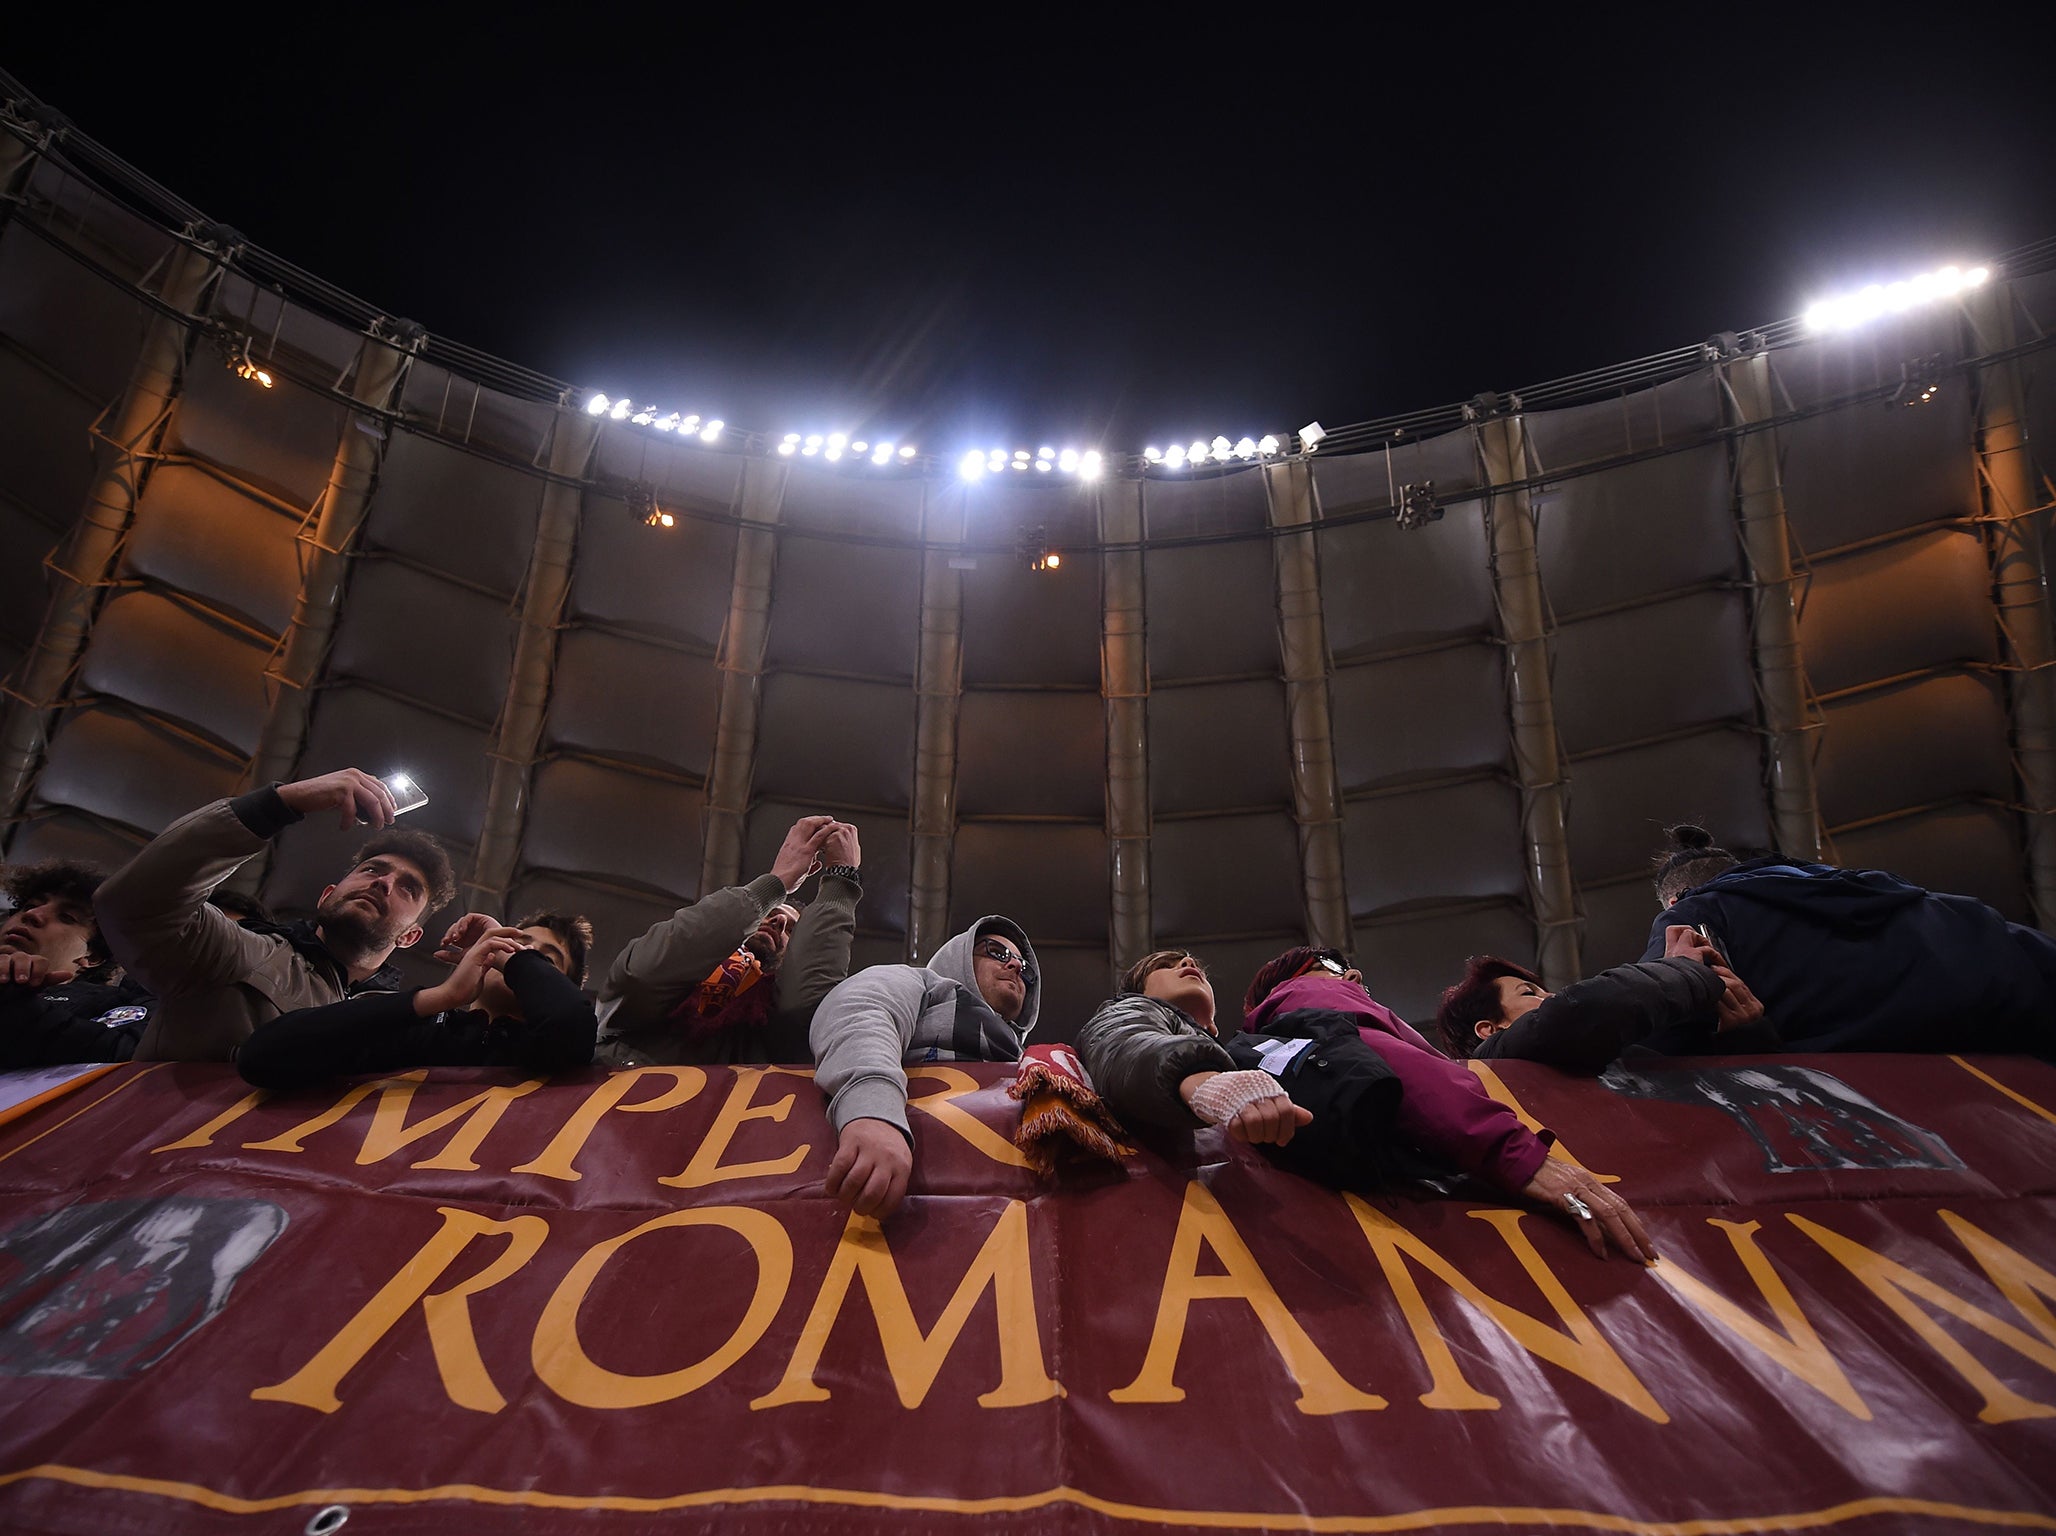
column 1324, row 989
column 1856, row 902
column 954, row 959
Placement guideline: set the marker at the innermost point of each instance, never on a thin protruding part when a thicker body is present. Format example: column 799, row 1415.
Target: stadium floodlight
column 1221, row 447
column 832, row 454
column 1045, row 453
column 908, row 450
column 1847, row 311
column 1267, row 444
column 1197, row 452
column 1088, row 466
column 788, row 447
column 1021, row 454
column 668, row 423
column 1246, row 449
column 1174, row 457
column 1310, row 436
column 838, row 441
column 711, row 433
column 1153, row 454
column 883, row 454
column 860, row 446
column 644, row 417
column 972, row 465
column 1044, row 465
column 620, row 410
column 597, row 406
column 690, row 424
column 1067, row 461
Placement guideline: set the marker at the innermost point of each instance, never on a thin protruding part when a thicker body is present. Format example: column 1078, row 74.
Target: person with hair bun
column 1855, row 959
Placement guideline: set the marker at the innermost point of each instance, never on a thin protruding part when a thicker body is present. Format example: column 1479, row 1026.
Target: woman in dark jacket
column 513, row 1000
column 1142, row 1059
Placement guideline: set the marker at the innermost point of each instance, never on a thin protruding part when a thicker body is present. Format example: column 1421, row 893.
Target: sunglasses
column 1326, row 963
column 993, row 949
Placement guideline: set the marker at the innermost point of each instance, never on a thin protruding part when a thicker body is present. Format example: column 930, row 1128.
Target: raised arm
column 557, row 1025
column 1585, row 1026
column 817, row 958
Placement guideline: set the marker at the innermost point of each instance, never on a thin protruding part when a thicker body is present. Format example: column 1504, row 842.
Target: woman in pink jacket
column 1444, row 1111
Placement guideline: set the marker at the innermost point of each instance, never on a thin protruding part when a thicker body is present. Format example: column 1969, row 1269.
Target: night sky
column 1056, row 230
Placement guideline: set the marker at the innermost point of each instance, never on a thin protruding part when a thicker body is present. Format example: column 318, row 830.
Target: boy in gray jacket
column 976, row 1000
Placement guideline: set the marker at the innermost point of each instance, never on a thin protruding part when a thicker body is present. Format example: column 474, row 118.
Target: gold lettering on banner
column 2019, row 1279
column 447, row 1313
column 943, row 1107
column 389, row 1131
column 1793, row 1344
column 1496, row 1086
column 1203, row 1224
column 737, row 1110
column 1897, row 1287
column 915, row 1358
column 1579, row 1349
column 204, row 1137
column 566, row 1369
column 555, row 1160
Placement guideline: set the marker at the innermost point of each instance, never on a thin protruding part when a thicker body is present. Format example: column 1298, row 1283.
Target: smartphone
column 407, row 795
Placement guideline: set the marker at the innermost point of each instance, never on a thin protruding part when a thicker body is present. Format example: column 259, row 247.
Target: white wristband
column 1226, row 1094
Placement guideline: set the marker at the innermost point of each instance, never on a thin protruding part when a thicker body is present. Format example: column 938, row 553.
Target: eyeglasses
column 1326, row 963
column 994, row 949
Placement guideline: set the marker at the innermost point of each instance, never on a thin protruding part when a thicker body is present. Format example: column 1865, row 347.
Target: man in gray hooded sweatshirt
column 976, row 1000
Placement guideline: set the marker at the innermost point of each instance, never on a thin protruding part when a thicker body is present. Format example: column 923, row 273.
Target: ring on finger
column 1577, row 1207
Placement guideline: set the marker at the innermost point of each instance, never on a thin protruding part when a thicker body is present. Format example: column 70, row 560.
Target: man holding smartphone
column 217, row 979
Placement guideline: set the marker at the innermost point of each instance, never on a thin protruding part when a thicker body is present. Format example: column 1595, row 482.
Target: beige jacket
column 215, row 980
column 656, row 972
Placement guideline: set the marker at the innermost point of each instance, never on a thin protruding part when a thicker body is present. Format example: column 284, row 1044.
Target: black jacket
column 1860, row 960
column 379, row 1032
column 1667, row 1005
column 70, row 1021
column 1323, row 1064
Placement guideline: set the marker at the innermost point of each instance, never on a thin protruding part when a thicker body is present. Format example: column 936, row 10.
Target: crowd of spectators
column 166, row 960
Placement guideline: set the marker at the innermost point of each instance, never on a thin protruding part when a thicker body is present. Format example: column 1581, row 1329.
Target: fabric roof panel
column 47, row 453
column 589, row 819
column 844, row 742
column 1174, row 508
column 624, row 698
column 453, row 511
column 1212, row 611
column 1873, row 468
column 1971, row 850
column 666, row 581
column 1053, row 880
column 281, row 440
column 617, row 918
column 482, row 419
column 1452, row 842
column 195, row 533
column 93, row 764
column 83, row 327
column 1643, row 671
column 1217, row 746
column 707, row 477
column 151, row 651
column 1031, row 754
column 846, row 500
column 1617, row 919
column 1437, row 711
column 1023, row 626
column 426, row 638
column 1620, row 802
column 1644, row 528
column 1226, row 875
column 24, row 589
column 1383, row 587
column 1913, row 743
column 354, row 727
column 1676, row 411
column 1898, row 608
column 846, row 608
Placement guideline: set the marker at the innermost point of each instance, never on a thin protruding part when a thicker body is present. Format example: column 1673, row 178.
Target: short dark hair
column 576, row 932
column 1691, row 860
column 30, row 885
column 1156, row 960
column 1476, row 997
column 425, row 853
column 1275, row 973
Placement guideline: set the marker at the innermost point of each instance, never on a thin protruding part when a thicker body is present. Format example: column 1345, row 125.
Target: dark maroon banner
column 459, row 1302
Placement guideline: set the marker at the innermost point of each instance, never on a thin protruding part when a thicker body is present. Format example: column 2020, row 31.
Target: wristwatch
column 849, row 872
